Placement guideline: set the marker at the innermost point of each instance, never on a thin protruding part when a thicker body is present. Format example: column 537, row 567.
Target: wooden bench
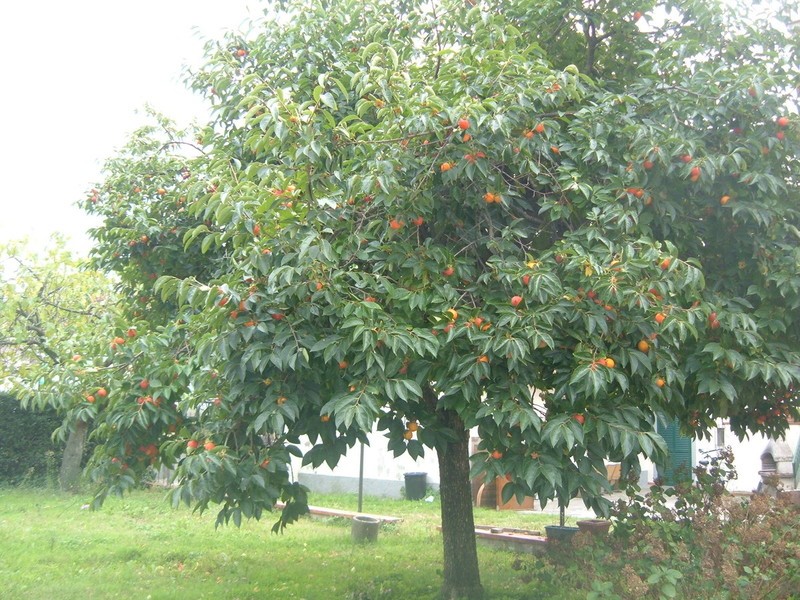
column 510, row 538
column 321, row 511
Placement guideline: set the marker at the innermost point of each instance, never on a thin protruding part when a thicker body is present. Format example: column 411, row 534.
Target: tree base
column 463, row 592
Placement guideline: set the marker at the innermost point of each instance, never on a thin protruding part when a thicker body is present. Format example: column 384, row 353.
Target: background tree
column 409, row 216
column 52, row 316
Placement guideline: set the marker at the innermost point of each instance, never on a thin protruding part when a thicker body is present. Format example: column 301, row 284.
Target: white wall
column 747, row 455
column 383, row 473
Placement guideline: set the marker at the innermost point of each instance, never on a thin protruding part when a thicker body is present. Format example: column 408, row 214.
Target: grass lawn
column 139, row 547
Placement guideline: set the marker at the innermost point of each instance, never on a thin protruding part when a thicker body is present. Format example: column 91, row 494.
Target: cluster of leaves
column 146, row 216
column 693, row 541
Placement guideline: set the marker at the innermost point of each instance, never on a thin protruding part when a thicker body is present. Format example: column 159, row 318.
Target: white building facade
column 384, row 475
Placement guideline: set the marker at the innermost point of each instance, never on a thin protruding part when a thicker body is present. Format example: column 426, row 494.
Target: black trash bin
column 415, row 485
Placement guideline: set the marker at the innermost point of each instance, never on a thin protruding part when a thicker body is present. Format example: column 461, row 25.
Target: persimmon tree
column 553, row 222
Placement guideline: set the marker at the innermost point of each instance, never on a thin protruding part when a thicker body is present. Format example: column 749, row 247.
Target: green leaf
column 328, row 100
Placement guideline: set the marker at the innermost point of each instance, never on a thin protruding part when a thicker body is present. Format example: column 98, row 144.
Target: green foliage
column 693, row 541
column 27, row 454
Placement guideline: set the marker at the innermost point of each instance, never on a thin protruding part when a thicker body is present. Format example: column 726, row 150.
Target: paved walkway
column 577, row 509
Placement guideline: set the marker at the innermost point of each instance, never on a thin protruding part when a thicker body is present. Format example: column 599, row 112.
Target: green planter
column 560, row 533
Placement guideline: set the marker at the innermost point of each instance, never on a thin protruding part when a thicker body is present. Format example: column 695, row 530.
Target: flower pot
column 560, row 533
column 365, row 529
column 597, row 527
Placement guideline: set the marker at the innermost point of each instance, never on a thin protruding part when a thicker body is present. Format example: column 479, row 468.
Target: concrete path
column 578, row 510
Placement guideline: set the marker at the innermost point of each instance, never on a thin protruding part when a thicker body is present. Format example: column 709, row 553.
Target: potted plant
column 571, row 483
column 560, row 532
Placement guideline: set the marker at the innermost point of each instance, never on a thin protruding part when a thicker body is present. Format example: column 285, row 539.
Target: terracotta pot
column 594, row 526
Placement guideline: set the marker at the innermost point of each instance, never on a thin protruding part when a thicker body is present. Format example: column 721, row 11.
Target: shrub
column 707, row 544
column 27, row 452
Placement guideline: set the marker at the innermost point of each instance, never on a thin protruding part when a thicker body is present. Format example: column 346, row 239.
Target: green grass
column 139, row 547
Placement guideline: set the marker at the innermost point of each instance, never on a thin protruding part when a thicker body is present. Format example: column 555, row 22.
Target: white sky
column 74, row 77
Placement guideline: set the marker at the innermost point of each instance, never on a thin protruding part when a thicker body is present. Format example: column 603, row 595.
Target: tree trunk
column 461, row 576
column 70, row 473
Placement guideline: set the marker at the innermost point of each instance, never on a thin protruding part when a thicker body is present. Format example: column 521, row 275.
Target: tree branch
column 390, row 140
column 34, row 326
column 438, row 44
column 74, row 311
column 182, row 143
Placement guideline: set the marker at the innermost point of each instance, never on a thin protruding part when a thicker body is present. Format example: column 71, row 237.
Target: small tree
column 428, row 213
column 52, row 313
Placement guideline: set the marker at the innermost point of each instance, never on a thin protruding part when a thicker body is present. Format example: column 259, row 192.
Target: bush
column 707, row 544
column 27, row 452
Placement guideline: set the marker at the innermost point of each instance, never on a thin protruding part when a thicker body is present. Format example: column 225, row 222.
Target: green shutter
column 679, row 462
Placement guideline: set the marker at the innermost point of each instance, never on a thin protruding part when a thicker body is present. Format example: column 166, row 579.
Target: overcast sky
column 74, row 77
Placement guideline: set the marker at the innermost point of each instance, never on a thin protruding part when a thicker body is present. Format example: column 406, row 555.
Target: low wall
column 384, row 488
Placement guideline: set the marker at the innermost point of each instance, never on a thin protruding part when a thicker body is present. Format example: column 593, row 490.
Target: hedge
column 27, row 452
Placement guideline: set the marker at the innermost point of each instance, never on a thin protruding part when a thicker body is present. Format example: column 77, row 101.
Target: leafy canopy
column 557, row 220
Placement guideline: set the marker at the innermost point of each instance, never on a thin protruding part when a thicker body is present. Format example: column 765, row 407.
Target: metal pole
column 361, row 478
